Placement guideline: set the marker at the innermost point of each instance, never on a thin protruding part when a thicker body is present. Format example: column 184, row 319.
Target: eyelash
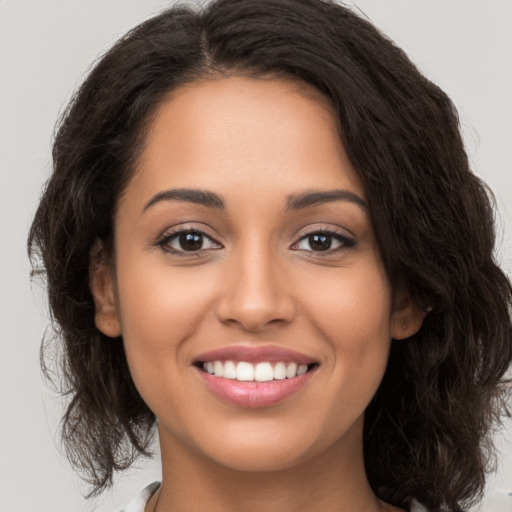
column 165, row 241
column 344, row 241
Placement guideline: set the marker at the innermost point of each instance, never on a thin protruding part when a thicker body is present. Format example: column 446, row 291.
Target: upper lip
column 255, row 354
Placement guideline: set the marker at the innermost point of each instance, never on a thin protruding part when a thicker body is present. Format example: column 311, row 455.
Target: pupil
column 319, row 242
column 191, row 241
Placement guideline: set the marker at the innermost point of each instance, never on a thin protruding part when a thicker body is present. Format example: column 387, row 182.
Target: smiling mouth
column 264, row 371
column 251, row 376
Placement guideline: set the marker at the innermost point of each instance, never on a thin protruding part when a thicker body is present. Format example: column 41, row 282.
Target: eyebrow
column 190, row 195
column 294, row 201
column 317, row 197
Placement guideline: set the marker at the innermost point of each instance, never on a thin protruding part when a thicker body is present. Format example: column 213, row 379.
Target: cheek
column 161, row 308
column 354, row 306
column 353, row 315
column 159, row 296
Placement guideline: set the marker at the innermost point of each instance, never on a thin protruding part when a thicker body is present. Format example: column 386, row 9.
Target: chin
column 259, row 449
column 256, row 459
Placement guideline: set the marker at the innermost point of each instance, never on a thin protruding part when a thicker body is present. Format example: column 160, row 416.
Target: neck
column 331, row 481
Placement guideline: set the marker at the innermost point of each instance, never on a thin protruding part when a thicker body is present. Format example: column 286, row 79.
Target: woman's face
column 245, row 237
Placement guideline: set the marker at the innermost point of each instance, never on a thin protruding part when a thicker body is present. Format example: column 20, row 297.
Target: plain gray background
column 46, row 47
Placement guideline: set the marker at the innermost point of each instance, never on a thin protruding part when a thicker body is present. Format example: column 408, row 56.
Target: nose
column 256, row 292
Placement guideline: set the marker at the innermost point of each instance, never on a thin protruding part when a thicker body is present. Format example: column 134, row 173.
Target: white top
column 140, row 502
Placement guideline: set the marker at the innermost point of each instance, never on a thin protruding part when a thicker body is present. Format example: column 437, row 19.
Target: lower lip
column 252, row 394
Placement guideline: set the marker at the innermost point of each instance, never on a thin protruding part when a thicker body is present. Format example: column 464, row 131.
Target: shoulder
column 140, row 501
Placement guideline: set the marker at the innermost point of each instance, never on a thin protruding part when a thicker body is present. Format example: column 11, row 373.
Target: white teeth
column 280, row 371
column 244, row 371
column 261, row 372
column 229, row 370
column 291, row 370
column 302, row 369
column 218, row 369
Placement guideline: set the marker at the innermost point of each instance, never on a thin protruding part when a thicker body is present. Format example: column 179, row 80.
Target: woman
column 262, row 236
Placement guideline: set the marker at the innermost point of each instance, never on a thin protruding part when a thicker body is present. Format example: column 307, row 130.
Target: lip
column 254, row 355
column 252, row 394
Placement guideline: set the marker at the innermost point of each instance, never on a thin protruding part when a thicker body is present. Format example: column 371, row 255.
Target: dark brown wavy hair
column 427, row 430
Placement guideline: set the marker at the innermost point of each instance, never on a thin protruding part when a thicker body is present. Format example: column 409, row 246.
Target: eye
column 323, row 241
column 187, row 240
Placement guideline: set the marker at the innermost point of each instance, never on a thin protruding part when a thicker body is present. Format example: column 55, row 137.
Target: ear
column 101, row 284
column 407, row 317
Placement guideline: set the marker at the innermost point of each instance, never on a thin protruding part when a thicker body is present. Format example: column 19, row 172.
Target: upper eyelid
column 336, row 227
column 186, row 228
column 168, row 235
column 172, row 234
column 328, row 230
column 346, row 242
column 334, row 234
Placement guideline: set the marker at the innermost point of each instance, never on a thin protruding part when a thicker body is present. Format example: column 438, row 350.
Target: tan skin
column 256, row 280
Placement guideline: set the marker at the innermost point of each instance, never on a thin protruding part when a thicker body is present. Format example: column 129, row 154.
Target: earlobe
column 407, row 317
column 101, row 284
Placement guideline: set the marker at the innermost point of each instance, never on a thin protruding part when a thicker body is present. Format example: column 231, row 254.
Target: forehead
column 244, row 132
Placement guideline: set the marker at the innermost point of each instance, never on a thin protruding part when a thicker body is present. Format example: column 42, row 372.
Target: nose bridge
column 255, row 294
